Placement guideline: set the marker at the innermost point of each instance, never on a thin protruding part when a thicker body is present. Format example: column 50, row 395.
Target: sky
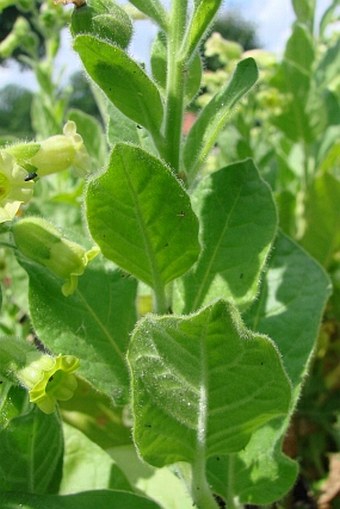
column 271, row 18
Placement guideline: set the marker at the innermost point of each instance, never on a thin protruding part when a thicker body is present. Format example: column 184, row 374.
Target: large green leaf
column 124, row 82
column 289, row 309
column 31, row 446
column 93, row 324
column 87, row 466
column 97, row 499
column 322, row 216
column 212, row 119
column 238, row 224
column 141, row 217
column 202, row 385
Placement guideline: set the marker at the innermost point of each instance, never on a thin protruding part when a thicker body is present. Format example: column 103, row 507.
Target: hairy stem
column 175, row 85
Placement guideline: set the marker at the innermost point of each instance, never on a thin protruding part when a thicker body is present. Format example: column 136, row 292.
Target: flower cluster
column 17, row 162
column 14, row 190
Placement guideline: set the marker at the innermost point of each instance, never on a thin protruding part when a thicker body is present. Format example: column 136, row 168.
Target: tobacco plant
column 174, row 322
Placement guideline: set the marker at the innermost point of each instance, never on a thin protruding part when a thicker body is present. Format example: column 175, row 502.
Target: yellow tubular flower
column 49, row 379
column 60, row 152
column 41, row 242
column 13, row 189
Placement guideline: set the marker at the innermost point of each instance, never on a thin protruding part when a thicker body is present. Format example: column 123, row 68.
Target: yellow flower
column 49, row 379
column 14, row 190
column 60, row 152
column 40, row 241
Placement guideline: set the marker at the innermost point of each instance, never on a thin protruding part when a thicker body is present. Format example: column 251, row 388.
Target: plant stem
column 161, row 303
column 175, row 85
column 201, row 492
column 230, row 499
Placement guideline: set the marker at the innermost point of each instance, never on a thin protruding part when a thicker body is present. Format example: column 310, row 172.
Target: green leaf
column 13, row 401
column 238, row 224
column 261, row 474
column 294, row 81
column 120, row 128
column 154, row 9
column 202, row 385
column 87, row 466
column 92, row 133
column 159, row 69
column 290, row 305
column 327, row 71
column 304, row 10
column 31, row 446
column 203, row 15
column 322, row 216
column 213, row 117
column 328, row 17
column 123, row 81
column 85, row 324
column 159, row 484
column 299, row 52
column 141, row 217
column 98, row 499
column 288, row 309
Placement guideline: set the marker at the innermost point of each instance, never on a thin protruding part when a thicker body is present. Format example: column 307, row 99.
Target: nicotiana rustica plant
column 164, row 373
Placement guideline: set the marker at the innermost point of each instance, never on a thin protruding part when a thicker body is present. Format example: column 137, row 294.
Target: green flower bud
column 49, row 379
column 60, row 152
column 41, row 242
column 102, row 18
column 13, row 189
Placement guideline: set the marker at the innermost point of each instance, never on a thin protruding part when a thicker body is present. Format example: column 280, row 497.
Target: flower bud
column 49, row 379
column 104, row 19
column 62, row 151
column 13, row 189
column 41, row 242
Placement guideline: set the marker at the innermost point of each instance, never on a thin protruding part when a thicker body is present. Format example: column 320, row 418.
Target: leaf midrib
column 153, row 266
